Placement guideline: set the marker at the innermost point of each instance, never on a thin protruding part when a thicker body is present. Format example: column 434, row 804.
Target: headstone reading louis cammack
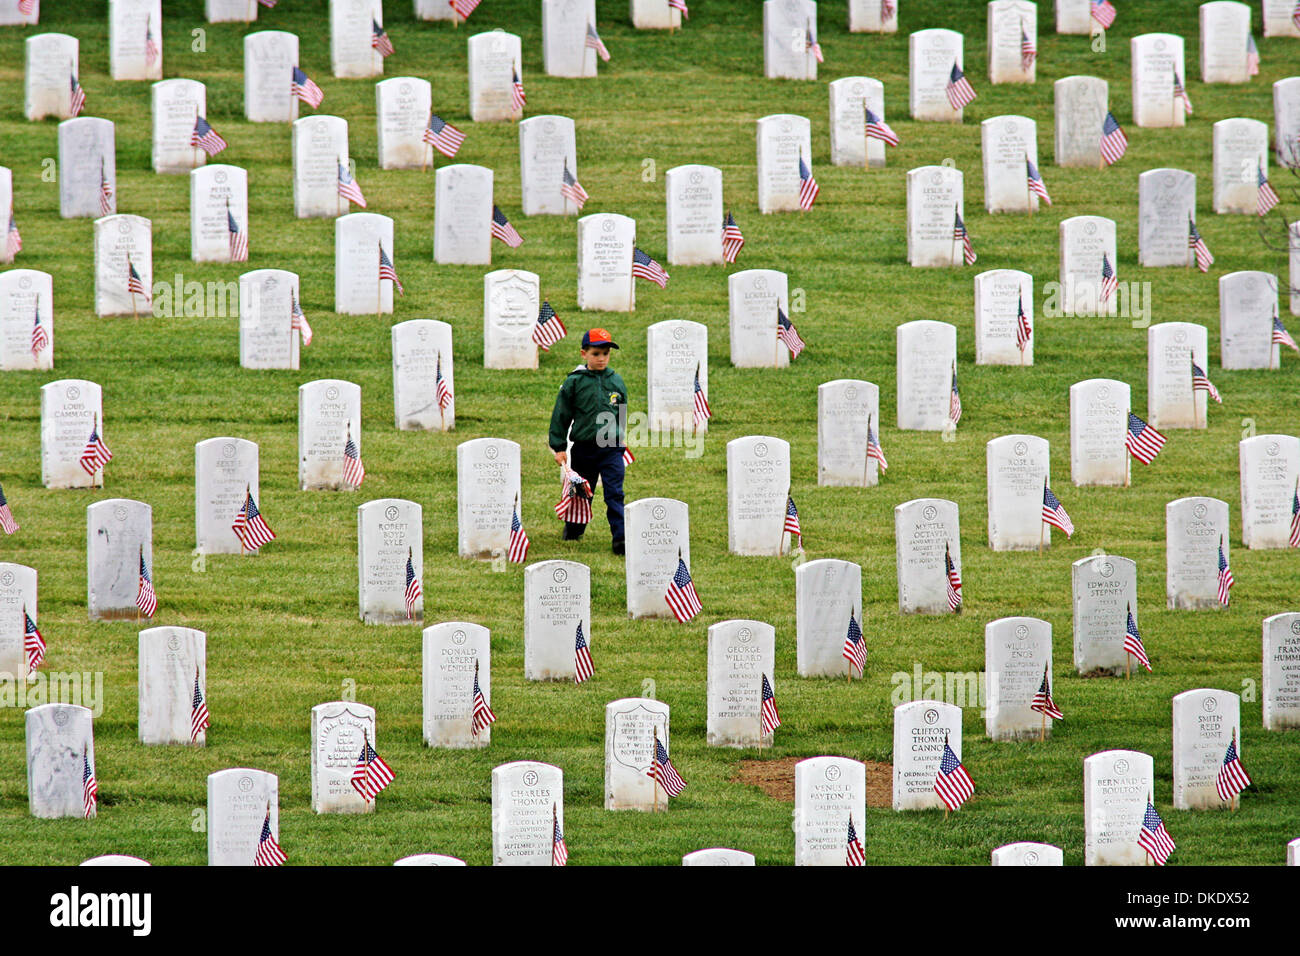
column 925, row 531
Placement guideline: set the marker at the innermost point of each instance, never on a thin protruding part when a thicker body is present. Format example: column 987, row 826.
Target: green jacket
column 594, row 403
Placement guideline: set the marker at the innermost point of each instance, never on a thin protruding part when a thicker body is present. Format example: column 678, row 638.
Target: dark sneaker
column 618, row 548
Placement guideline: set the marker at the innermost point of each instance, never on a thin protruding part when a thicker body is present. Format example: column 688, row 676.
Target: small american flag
column 732, row 240
column 268, row 850
column 628, row 457
column 349, row 188
column 250, row 527
column 1281, row 336
column 1054, row 512
column 959, row 232
column 518, row 537
column 574, row 505
column 663, row 772
column 464, row 8
column 518, row 98
column 1294, row 540
column 379, row 40
column 501, row 229
column 299, row 321
column 413, row 591
column 681, row 597
column 1180, row 93
column 306, row 89
column 811, row 45
column 145, row 599
column 7, row 522
column 1201, row 383
column 442, row 136
column 96, row 454
column 643, row 267
column 1023, row 332
column 954, row 580
column 1042, row 702
column 808, row 188
column 1265, row 196
column 855, row 646
column 40, row 340
column 89, row 786
column 1142, row 441
column 482, row 715
column 199, row 720
column 549, row 329
column 1154, row 838
column 1114, row 144
column 1103, row 12
column 960, row 93
column 354, row 472
column 1035, row 181
column 26, row 7
column 594, row 42
column 953, row 784
column 206, row 138
column 855, row 856
column 386, row 271
column 877, row 128
column 134, row 284
column 767, row 709
column 571, row 189
column 1252, row 56
column 33, row 643
column 78, row 97
column 372, row 774
column 1204, row 259
column 105, row 192
column 954, row 399
column 441, row 390
column 679, row 5
column 238, row 238
column 886, row 10
column 13, row 238
column 1109, row 282
column 1232, row 775
column 151, row 51
column 583, row 667
column 1226, row 580
column 1028, row 52
column 1133, row 642
column 874, row 450
column 701, row 412
column 788, row 334
column 559, row 850
column 792, row 520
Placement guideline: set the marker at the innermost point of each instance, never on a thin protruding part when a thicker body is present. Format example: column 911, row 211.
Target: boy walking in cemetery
column 591, row 410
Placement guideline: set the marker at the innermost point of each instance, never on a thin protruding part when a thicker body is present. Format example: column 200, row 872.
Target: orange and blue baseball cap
column 598, row 337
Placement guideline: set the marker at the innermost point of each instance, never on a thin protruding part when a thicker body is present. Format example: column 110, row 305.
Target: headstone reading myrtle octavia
column 923, row 529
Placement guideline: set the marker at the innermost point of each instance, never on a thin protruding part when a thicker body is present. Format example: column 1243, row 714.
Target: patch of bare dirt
column 775, row 778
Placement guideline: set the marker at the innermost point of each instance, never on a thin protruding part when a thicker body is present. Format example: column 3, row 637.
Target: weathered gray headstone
column 1081, row 105
column 171, row 659
column 118, row 532
column 462, row 215
column 1166, row 207
column 826, row 592
column 60, row 741
column 1247, row 304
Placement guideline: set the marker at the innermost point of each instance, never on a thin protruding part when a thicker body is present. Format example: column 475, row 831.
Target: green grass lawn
column 283, row 633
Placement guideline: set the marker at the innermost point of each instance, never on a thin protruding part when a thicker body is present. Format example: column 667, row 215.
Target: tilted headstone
column 931, row 55
column 123, row 243
column 218, row 195
column 920, row 729
column 1007, row 142
column 17, row 593
column 329, row 410
column 239, row 801
column 87, row 168
column 758, row 482
column 927, row 355
column 1240, row 151
column 1085, row 242
column 1205, row 722
column 421, row 350
column 1028, row 854
column 753, row 297
column 269, row 59
column 846, row 408
column 547, row 146
column 402, row 107
column 453, row 653
column 527, row 803
column 826, row 593
column 872, row 16
column 1156, row 59
column 320, row 146
column 135, row 39
column 564, row 37
column 1117, row 785
column 177, row 105
column 70, row 409
column 339, row 732
column 1105, row 593
column 658, row 532
column 741, row 654
column 851, row 97
column 1017, row 651
column 934, row 200
column 605, row 243
column 1018, row 468
column 118, row 532
column 51, row 61
column 171, row 661
column 60, row 741
column 267, row 336
column 1281, row 700
column 1225, row 33
column 719, row 856
column 390, row 533
column 923, row 529
column 351, row 32
column 225, row 474
column 1194, row 528
column 789, row 30
column 1099, row 410
column 1278, row 19
column 783, row 140
column 557, row 601
column 495, row 60
column 1008, row 22
column 358, row 289
column 1172, row 347
column 487, row 484
column 830, row 795
column 677, row 355
column 1081, row 104
column 511, row 300
column 694, row 215
column 1247, row 304
column 1166, row 208
column 1269, row 466
column 1286, row 120
column 26, row 299
column 631, row 727
column 1000, row 296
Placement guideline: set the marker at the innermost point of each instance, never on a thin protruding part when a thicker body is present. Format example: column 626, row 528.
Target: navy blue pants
column 592, row 461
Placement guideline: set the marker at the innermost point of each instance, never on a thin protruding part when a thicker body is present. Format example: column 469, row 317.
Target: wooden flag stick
column 424, row 164
column 137, row 603
column 866, row 454
column 248, row 492
column 555, row 819
column 338, row 199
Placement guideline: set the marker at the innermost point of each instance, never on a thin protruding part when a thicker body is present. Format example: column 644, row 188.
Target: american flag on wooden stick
column 33, row 643
column 1133, row 641
column 954, row 399
column 238, row 238
column 1042, row 702
column 788, row 334
column 855, row 646
column 442, row 136
column 855, row 855
column 1103, row 11
column 679, row 5
column 501, row 229
column 959, row 91
column 89, row 786
column 1232, row 775
column 874, row 450
column 349, row 188
column 1266, row 196
column 519, row 542
column 808, row 188
column 354, row 472
column 372, row 774
column 78, row 102
column 1142, row 441
column 1023, row 330
column 954, row 580
column 463, row 8
column 206, row 138
column 571, row 189
column 594, row 42
column 386, row 271
column 1294, row 540
column 1252, row 56
column 7, row 522
column 518, row 98
column 792, row 520
column 583, row 666
column 770, row 719
column 1054, row 512
column 1153, row 837
column 811, row 45
column 250, row 527
column 268, row 850
column 151, row 49
column 1199, row 249
column 877, row 128
column 1114, row 144
column 105, row 192
column 1109, row 281
column 303, row 87
column 681, row 597
column 732, row 239
column 411, row 596
column 1281, row 336
column 1180, row 93
column 13, row 238
column 482, row 716
column 40, row 339
column 442, row 391
column 96, row 454
column 662, row 771
column 701, row 412
column 1034, row 180
column 299, row 321
column 145, row 598
column 1226, row 580
column 549, row 329
column 952, row 783
column 134, row 284
column 960, row 233
column 199, row 719
column 379, row 40
column 559, row 849
column 1201, row 383
column 644, row 267
column 1028, row 52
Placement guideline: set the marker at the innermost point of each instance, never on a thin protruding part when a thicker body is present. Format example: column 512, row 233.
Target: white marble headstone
column 120, row 243
column 753, row 297
column 1006, row 142
column 434, row 10
column 1240, row 151
column 1000, row 295
column 1270, row 476
column 1205, row 722
column 1074, row 16
column 547, row 144
column 923, row 528
column 1017, row 470
column 131, row 25
column 1085, row 240
column 52, row 61
column 238, row 802
column 25, row 295
column 871, row 16
column 631, row 725
column 1155, row 58
column 216, row 194
column 758, row 481
column 267, row 338
column 658, row 530
column 677, row 351
column 351, row 31
column 1166, row 207
column 118, row 531
column 1016, row 652
column 225, row 472
column 1193, row 529
column 527, row 802
column 846, row 407
column 783, row 139
column 70, row 409
column 740, row 654
column 1099, row 410
column 1028, row 854
column 512, row 299
column 390, row 531
column 605, row 243
column 829, row 793
column 850, row 97
column 60, row 739
column 14, row 16
column 1081, row 104
column 920, row 728
column 694, row 216
column 655, row 15
column 927, row 353
column 487, row 483
column 339, row 731
column 787, row 24
column 87, row 160
column 451, row 652
column 826, row 592
column 1225, row 33
column 557, row 600
column 1117, row 784
column 402, row 107
column 320, row 145
column 719, row 856
column 230, row 11
column 1008, row 20
column 1281, row 691
column 931, row 56
column 328, row 410
column 934, row 200
column 422, row 347
column 269, row 59
column 358, row 237
column 1172, row 347
column 177, row 104
column 114, row 859
column 429, row 859
column 1286, row 120
column 495, row 59
column 1277, row 17
column 17, row 591
column 1105, row 591
column 564, row 37
column 1247, row 304
column 170, row 660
